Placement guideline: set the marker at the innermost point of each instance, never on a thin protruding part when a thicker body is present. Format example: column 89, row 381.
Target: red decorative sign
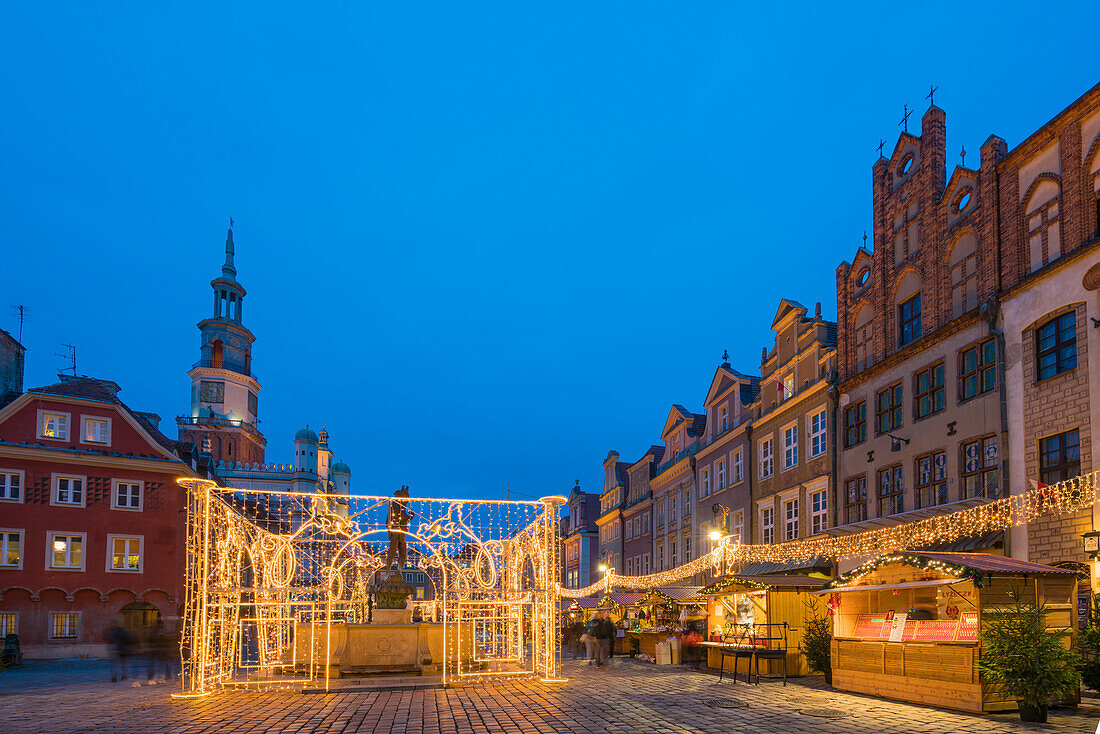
column 936, row 630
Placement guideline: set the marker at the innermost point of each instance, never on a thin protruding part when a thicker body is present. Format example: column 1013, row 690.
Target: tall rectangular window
column 855, row 495
column 891, row 491
column 931, row 480
column 790, row 446
column 790, row 520
column 855, row 424
column 929, row 393
column 738, row 466
column 706, row 481
column 1056, row 346
column 661, row 514
column 767, row 461
column 977, row 369
column 817, row 433
column 979, row 468
column 767, row 525
column 11, row 486
column 672, row 554
column 737, row 527
column 888, row 409
column 672, row 516
column 909, row 323
column 819, row 511
column 721, row 473
column 11, row 548
column 1060, row 457
column 723, row 418
column 63, row 625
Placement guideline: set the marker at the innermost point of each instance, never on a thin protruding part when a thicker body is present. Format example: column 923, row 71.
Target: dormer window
column 723, row 418
column 53, row 425
column 97, row 430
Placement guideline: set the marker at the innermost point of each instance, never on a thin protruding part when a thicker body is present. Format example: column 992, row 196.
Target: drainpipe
column 833, row 393
column 990, row 312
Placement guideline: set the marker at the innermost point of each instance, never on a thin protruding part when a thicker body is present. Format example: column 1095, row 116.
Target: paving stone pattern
column 628, row 696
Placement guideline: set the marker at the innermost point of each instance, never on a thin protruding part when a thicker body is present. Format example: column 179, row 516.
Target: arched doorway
column 139, row 617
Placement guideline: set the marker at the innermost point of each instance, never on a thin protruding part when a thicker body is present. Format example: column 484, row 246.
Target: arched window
column 908, row 303
column 863, row 330
column 964, row 275
column 1044, row 236
column 216, row 353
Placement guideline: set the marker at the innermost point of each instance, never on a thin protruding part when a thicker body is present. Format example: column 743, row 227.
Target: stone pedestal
column 357, row 649
column 391, row 616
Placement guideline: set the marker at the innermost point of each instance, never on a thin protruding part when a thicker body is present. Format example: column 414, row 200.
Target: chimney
column 11, row 368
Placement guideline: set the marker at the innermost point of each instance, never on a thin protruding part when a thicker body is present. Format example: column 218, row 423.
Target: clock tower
column 224, row 392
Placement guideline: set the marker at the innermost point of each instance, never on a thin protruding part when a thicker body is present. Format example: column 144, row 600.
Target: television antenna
column 70, row 356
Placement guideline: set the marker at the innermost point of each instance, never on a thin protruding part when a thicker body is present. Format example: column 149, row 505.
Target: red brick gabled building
column 91, row 517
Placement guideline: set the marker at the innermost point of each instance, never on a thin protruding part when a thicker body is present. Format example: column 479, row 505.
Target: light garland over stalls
column 1064, row 498
column 926, row 564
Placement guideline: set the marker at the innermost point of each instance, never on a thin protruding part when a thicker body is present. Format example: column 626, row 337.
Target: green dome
column 305, row 435
column 341, row 468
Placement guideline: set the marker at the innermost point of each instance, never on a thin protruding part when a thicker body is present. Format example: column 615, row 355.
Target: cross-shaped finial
column 881, row 145
column 864, row 239
column 962, row 154
column 905, row 118
column 931, row 91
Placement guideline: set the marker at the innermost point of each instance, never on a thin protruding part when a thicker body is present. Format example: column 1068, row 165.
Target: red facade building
column 91, row 518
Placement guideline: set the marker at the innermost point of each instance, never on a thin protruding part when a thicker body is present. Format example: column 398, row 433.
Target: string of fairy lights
column 729, row 555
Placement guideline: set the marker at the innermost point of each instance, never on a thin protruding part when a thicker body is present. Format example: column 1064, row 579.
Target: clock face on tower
column 212, row 391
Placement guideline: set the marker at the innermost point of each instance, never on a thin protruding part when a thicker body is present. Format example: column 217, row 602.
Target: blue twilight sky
column 483, row 244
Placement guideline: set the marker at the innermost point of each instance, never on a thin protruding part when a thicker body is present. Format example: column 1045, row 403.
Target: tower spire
column 229, row 271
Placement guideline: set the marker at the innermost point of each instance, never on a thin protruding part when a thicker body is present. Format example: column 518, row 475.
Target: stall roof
column 991, row 563
column 770, row 568
column 673, row 593
column 761, row 581
column 627, row 599
column 586, row 602
column 885, row 587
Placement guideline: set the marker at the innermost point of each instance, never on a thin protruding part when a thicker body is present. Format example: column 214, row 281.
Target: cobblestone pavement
column 74, row 696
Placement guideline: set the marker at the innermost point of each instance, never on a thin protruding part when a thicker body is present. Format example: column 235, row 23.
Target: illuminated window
column 125, row 552
column 63, row 625
column 54, row 425
column 66, row 551
column 11, row 548
column 97, row 430
column 8, row 625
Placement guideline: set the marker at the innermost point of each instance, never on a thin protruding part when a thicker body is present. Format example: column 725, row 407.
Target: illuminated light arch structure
column 270, row 577
column 728, row 556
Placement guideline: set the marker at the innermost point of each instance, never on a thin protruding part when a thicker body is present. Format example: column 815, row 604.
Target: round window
column 962, row 201
column 906, row 165
column 862, row 278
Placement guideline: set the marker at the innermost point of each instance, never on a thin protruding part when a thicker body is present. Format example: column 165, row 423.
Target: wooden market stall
column 658, row 617
column 625, row 611
column 743, row 606
column 906, row 625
